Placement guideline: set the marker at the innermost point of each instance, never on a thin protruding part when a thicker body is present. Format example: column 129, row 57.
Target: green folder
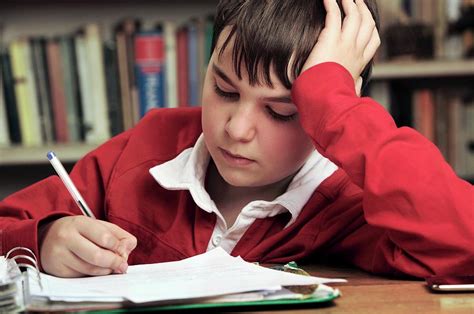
column 311, row 302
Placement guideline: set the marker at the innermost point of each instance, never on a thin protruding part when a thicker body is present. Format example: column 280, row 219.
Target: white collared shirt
column 188, row 171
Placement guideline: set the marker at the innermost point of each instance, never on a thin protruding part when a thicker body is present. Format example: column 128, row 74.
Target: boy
column 243, row 172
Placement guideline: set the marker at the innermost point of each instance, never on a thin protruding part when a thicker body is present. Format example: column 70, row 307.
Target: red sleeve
column 408, row 188
column 22, row 212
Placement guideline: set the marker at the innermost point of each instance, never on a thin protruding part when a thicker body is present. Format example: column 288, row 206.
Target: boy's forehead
column 223, row 59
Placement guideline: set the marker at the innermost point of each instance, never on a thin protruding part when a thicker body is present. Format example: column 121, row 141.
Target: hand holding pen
column 75, row 246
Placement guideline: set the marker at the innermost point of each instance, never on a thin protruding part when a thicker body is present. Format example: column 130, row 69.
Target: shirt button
column 216, row 240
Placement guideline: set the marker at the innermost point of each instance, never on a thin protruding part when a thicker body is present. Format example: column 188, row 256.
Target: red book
column 182, row 56
column 58, row 97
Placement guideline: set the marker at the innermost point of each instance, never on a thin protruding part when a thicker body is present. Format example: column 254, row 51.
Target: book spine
column 193, row 70
column 113, row 89
column 57, row 91
column 149, row 64
column 39, row 60
column 70, row 88
column 182, row 66
column 84, row 88
column 10, row 99
column 171, row 90
column 95, row 58
column 124, row 80
column 25, row 93
column 4, row 135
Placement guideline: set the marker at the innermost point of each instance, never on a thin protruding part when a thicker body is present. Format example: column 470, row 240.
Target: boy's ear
column 358, row 85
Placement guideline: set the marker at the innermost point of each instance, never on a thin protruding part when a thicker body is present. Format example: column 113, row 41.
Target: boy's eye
column 280, row 117
column 224, row 94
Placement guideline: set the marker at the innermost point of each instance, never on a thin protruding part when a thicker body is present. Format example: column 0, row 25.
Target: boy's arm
column 408, row 188
column 22, row 213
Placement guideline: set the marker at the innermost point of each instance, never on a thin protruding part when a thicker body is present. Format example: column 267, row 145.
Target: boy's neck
column 222, row 192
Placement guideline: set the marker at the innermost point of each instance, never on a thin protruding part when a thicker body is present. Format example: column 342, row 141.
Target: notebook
column 12, row 294
column 207, row 280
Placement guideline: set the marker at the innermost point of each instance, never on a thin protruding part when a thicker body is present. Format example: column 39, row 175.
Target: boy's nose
column 241, row 125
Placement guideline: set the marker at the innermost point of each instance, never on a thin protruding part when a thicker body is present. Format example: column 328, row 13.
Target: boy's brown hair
column 268, row 33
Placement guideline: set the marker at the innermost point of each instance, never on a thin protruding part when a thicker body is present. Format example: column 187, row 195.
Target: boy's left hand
column 352, row 45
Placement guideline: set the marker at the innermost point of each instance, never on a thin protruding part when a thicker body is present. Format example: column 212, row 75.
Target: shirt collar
column 187, row 171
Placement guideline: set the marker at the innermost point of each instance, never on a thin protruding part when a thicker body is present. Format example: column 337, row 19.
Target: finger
column 78, row 265
column 351, row 23
column 372, row 46
column 127, row 242
column 68, row 272
column 99, row 234
column 333, row 18
column 95, row 255
column 367, row 25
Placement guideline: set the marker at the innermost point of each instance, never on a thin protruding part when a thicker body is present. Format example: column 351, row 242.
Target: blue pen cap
column 50, row 155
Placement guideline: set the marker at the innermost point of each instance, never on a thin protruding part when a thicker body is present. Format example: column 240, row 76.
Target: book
column 40, row 70
column 12, row 280
column 4, row 136
column 113, row 88
column 25, row 92
column 71, row 88
column 211, row 279
column 58, row 97
column 84, row 86
column 182, row 66
column 171, row 83
column 10, row 99
column 193, row 64
column 149, row 69
column 124, row 37
column 95, row 57
column 423, row 108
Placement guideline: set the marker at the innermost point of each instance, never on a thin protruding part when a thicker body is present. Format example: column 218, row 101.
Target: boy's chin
column 243, row 181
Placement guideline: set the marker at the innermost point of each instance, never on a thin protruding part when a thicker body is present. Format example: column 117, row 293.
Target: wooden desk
column 365, row 293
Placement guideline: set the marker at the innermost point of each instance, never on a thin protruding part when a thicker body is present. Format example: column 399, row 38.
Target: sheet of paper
column 213, row 273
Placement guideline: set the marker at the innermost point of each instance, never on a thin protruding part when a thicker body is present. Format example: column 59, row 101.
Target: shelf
column 423, row 69
column 19, row 155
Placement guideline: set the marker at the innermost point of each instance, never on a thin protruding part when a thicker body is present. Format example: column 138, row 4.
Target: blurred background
column 74, row 73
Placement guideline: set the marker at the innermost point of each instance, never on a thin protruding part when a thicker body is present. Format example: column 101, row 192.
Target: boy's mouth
column 235, row 159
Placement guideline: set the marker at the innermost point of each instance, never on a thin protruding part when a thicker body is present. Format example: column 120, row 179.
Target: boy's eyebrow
column 222, row 75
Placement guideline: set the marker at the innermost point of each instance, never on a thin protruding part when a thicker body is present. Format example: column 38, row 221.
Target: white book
column 25, row 93
column 171, row 83
column 95, row 55
column 4, row 135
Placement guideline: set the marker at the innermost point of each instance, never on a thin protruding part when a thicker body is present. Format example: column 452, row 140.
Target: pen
column 58, row 166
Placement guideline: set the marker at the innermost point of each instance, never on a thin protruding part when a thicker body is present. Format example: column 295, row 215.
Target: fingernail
column 123, row 267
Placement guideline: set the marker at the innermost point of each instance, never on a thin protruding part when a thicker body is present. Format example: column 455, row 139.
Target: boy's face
column 253, row 133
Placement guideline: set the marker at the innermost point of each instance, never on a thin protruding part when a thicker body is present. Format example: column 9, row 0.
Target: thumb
column 358, row 85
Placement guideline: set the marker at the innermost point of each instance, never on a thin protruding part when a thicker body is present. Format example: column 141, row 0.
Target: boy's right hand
column 78, row 246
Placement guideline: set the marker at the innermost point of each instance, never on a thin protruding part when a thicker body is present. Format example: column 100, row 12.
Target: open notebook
column 212, row 277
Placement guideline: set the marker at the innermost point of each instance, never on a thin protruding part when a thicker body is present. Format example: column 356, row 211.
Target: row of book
column 446, row 117
column 80, row 88
column 426, row 29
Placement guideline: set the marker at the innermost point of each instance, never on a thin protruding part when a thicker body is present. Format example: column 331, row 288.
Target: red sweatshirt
column 394, row 207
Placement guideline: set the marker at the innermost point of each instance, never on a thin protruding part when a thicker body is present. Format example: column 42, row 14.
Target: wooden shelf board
column 20, row 155
column 423, row 69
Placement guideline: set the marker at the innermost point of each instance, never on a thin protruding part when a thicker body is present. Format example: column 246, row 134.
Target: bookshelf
column 423, row 69
column 32, row 18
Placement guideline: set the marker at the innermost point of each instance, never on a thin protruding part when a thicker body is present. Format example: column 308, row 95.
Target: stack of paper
column 214, row 275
